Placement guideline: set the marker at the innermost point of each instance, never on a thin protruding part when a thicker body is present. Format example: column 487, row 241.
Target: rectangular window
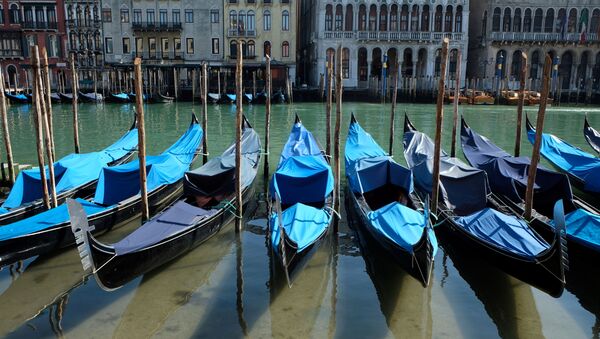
column 137, row 16
column 189, row 16
column 1, row 16
column 108, row 45
column 162, row 17
column 152, row 47
column 190, row 45
column 165, row 47
column 106, row 15
column 267, row 21
column 150, row 16
column 285, row 21
column 176, row 16
column 214, row 16
column 215, row 46
column 139, row 46
column 126, row 46
column 177, row 44
column 124, row 16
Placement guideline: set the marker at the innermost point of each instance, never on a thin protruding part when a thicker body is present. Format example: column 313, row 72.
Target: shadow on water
column 583, row 280
column 508, row 301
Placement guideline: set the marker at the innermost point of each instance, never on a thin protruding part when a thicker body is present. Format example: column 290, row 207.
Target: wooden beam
column 37, row 100
column 74, row 104
column 393, row 112
column 205, row 112
column 521, row 104
column 329, row 104
column 267, row 120
column 338, row 125
column 6, row 133
column 238, row 135
column 438, row 131
column 139, row 108
column 456, row 99
column 42, row 79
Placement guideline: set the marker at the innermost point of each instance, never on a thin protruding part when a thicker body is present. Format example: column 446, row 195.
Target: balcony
column 11, row 53
column 142, row 26
column 387, row 36
column 245, row 57
column 541, row 37
column 39, row 25
column 237, row 33
column 84, row 24
column 158, row 55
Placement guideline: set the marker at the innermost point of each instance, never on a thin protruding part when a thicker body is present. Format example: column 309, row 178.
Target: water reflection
column 583, row 280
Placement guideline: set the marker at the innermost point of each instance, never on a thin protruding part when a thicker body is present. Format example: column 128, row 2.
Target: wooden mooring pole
column 338, row 125
column 267, row 120
column 6, row 133
column 238, row 137
column 74, row 104
column 204, row 93
column 393, row 112
column 43, row 80
column 37, row 100
column 521, row 104
column 329, row 104
column 438, row 130
column 535, row 157
column 456, row 98
column 139, row 108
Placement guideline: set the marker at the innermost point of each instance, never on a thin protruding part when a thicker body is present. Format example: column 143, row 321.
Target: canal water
column 225, row 288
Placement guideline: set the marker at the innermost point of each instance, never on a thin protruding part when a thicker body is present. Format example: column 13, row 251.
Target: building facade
column 263, row 27
column 569, row 31
column 26, row 23
column 371, row 32
column 84, row 32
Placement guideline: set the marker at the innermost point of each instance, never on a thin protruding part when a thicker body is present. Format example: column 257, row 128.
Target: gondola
column 66, row 97
column 132, row 97
column 591, row 135
column 203, row 210
column 214, row 98
column 116, row 201
column 508, row 179
column 76, row 175
column 247, row 98
column 380, row 195
column 301, row 191
column 18, row 98
column 278, row 98
column 582, row 168
column 120, row 97
column 159, row 98
column 260, row 98
column 227, row 98
column 482, row 223
column 55, row 98
column 90, row 97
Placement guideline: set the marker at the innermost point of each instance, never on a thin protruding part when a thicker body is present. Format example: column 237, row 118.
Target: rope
column 228, row 206
column 334, row 211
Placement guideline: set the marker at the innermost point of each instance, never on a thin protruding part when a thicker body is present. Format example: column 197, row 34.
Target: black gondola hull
column 118, row 99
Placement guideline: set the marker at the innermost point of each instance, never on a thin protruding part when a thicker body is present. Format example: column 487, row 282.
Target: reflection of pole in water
column 444, row 269
column 56, row 314
column 240, row 283
column 332, row 317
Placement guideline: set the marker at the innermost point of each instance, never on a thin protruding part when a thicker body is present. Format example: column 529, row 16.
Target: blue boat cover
column 231, row 97
column 508, row 175
column 584, row 228
column 402, row 225
column 175, row 220
column 44, row 220
column 248, row 96
column 122, row 96
column 121, row 182
column 303, row 224
column 216, row 178
column 303, row 175
column 463, row 188
column 70, row 172
column 504, row 232
column 570, row 159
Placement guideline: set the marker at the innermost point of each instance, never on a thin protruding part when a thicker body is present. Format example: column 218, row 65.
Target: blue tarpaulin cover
column 122, row 96
column 508, row 175
column 231, row 97
column 463, row 188
column 570, row 159
column 584, row 228
column 303, row 176
column 121, row 182
column 44, row 220
column 70, row 172
column 367, row 168
column 503, row 231
column 303, row 224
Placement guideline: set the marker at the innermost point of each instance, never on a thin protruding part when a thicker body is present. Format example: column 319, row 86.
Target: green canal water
column 225, row 287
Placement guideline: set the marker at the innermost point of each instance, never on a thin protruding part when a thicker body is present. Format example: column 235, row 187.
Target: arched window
column 233, row 19
column 564, row 69
column 330, row 55
column 267, row 20
column 496, row 20
column 285, row 49
column 448, row 19
column 349, row 20
column 438, row 62
column 572, row 23
column 458, row 20
column 251, row 49
column 233, row 49
column 537, row 20
column 363, row 66
column 15, row 15
column 12, row 74
column 339, row 17
column 362, row 18
column 517, row 20
column 506, row 20
column 595, row 22
column 437, row 19
column 527, row 21
column 329, row 18
column 583, row 19
column 383, row 18
column 484, row 23
column 267, row 48
column 404, row 18
column 394, row 18
column 561, row 20
column 241, row 21
column 250, row 21
column 285, row 20
column 535, row 65
column 453, row 61
column 425, row 19
column 414, row 19
column 549, row 23
column 596, row 71
column 1, row 15
column 583, row 64
column 515, row 67
column 345, row 63
column 373, row 18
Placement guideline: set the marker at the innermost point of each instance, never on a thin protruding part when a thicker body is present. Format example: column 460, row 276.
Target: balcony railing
column 39, row 25
column 392, row 36
column 11, row 53
column 74, row 23
column 235, row 33
column 245, row 57
column 541, row 37
column 156, row 26
column 158, row 55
